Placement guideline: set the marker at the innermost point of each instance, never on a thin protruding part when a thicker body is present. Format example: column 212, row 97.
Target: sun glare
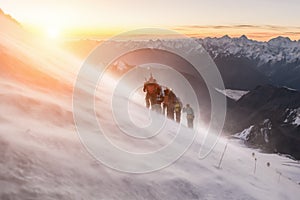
column 52, row 32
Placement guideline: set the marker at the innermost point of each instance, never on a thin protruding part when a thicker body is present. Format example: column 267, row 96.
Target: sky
column 258, row 19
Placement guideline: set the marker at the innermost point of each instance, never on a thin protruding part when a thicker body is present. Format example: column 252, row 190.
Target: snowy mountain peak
column 279, row 41
column 225, row 37
column 244, row 37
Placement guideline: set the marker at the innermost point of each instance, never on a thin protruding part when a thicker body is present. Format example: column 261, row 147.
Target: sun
column 52, row 32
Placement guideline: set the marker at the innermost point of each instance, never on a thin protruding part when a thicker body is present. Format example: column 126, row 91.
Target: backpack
column 177, row 107
column 151, row 88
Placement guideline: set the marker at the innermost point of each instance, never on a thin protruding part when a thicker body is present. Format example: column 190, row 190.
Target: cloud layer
column 257, row 32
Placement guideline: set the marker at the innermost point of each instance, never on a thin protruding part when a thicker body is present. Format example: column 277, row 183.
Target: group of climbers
column 166, row 102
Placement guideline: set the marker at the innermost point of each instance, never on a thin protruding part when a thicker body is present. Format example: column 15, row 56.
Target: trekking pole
column 220, row 162
column 279, row 175
column 255, row 160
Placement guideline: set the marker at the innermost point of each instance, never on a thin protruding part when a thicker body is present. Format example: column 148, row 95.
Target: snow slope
column 43, row 158
column 233, row 94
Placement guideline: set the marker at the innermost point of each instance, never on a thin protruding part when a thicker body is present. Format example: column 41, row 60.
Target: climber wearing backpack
column 177, row 108
column 171, row 104
column 189, row 115
column 158, row 101
column 152, row 89
column 165, row 100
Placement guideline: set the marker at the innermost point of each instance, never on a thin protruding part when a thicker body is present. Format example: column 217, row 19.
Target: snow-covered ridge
column 275, row 50
column 280, row 49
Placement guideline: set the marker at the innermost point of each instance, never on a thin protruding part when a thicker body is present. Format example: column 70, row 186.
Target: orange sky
column 260, row 20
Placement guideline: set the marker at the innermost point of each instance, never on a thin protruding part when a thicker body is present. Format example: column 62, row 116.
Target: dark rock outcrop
column 269, row 114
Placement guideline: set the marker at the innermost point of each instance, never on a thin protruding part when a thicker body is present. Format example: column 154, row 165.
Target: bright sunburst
column 52, row 32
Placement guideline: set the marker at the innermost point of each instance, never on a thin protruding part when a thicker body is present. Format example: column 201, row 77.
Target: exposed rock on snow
column 245, row 134
column 293, row 116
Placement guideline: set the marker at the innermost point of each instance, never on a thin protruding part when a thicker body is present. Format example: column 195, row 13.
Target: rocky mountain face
column 268, row 117
column 276, row 61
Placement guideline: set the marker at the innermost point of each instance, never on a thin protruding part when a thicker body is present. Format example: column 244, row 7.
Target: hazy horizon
column 101, row 19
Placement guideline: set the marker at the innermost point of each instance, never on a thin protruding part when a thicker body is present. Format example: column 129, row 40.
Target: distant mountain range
column 243, row 63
